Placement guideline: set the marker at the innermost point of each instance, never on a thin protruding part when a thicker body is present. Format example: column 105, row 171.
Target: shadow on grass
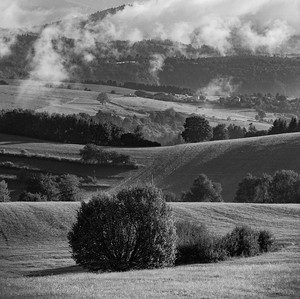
column 57, row 271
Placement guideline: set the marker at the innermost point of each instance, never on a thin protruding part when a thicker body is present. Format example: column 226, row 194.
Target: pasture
column 35, row 259
column 35, row 95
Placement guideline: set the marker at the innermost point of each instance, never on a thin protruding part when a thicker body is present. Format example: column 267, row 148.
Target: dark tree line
column 80, row 129
column 280, row 126
column 197, row 129
column 282, row 187
column 144, row 86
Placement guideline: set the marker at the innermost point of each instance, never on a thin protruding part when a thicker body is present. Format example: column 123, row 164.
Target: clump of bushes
column 132, row 229
column 92, row 153
column 197, row 245
column 46, row 187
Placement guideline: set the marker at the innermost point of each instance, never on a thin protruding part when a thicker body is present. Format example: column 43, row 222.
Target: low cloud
column 267, row 25
column 219, row 87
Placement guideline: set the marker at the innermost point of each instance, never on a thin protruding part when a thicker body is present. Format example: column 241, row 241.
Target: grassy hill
column 33, row 245
column 227, row 162
column 174, row 168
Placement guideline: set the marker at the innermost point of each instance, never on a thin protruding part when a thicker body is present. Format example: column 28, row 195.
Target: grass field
column 33, row 95
column 174, row 168
column 35, row 260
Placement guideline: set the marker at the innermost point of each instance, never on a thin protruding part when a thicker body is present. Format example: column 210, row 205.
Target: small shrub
column 4, row 192
column 197, row 245
column 8, row 164
column 24, row 152
column 265, row 241
column 242, row 241
column 170, row 196
column 69, row 188
column 133, row 229
column 32, row 197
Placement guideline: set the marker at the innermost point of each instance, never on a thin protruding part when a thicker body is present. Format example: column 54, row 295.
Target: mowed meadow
column 35, row 259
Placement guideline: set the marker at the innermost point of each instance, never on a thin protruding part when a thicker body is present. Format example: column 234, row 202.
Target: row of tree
column 81, row 129
column 45, row 187
column 198, row 129
column 282, row 187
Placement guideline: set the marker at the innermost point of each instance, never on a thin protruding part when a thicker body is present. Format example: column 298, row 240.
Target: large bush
column 133, row 229
column 242, row 241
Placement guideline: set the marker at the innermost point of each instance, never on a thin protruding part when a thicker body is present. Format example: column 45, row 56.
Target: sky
column 26, row 13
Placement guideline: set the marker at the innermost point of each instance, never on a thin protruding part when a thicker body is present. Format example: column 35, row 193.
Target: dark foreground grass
column 35, row 259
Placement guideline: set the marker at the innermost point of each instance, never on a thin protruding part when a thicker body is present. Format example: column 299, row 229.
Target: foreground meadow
column 35, row 258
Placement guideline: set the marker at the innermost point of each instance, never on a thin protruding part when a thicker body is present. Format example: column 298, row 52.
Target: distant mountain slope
column 88, row 54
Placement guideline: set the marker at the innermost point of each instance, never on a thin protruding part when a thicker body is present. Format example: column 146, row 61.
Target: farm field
column 174, row 168
column 33, row 95
column 35, row 260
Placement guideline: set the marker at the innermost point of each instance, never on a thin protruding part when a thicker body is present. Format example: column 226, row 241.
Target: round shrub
column 133, row 229
column 265, row 241
column 197, row 245
column 242, row 241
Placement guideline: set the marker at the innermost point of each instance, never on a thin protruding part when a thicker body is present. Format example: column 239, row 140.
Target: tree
column 196, row 129
column 4, row 192
column 43, row 184
column 220, row 132
column 247, row 189
column 235, row 131
column 132, row 229
column 69, row 188
column 279, row 127
column 253, row 189
column 284, row 187
column 292, row 127
column 203, row 189
column 103, row 98
column 261, row 114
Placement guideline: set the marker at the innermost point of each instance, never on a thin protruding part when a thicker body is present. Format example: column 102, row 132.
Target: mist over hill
column 250, row 47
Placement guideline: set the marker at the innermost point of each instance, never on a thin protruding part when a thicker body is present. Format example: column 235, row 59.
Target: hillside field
column 35, row 259
column 34, row 95
column 172, row 168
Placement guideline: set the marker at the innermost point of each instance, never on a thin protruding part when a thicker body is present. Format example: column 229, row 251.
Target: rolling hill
column 174, row 168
